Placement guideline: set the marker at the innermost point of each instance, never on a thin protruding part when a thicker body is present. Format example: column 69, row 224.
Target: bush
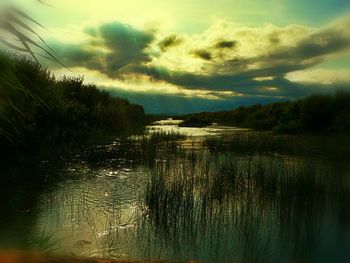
column 37, row 109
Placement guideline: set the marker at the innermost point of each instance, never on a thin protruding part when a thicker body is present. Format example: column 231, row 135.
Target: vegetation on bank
column 330, row 147
column 315, row 114
column 39, row 111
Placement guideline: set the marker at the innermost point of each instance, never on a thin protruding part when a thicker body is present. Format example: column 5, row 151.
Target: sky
column 181, row 56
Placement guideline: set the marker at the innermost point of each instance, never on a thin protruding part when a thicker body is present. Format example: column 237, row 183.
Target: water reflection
column 153, row 198
column 246, row 210
column 172, row 126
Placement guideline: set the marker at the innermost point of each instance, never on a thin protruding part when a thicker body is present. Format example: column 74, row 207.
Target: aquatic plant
column 244, row 204
column 334, row 147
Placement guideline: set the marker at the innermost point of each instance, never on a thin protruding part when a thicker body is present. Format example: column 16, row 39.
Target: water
column 213, row 130
column 154, row 198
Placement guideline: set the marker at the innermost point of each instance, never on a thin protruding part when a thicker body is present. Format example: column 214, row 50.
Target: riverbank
column 217, row 138
column 331, row 147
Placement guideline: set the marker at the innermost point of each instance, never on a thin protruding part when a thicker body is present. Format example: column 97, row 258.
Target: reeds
column 221, row 206
column 18, row 33
column 335, row 147
column 233, row 208
column 182, row 204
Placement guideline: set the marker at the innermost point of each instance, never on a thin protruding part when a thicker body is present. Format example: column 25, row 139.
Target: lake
column 169, row 195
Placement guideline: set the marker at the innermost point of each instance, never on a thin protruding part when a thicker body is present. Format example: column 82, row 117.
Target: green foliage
column 315, row 114
column 36, row 110
column 12, row 95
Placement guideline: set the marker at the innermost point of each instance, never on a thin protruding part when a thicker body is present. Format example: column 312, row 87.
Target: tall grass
column 188, row 204
column 335, row 147
column 219, row 206
column 154, row 146
column 224, row 208
column 18, row 33
column 12, row 91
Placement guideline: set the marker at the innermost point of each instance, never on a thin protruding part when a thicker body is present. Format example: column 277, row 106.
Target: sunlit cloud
column 224, row 61
column 321, row 76
column 143, row 85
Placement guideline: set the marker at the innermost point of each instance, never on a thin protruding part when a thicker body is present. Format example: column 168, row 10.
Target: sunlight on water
column 171, row 126
column 154, row 198
column 91, row 206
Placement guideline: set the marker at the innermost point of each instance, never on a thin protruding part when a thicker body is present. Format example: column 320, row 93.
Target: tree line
column 315, row 114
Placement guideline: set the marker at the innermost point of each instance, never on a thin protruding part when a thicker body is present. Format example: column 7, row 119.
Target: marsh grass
column 156, row 145
column 225, row 207
column 222, row 206
column 18, row 33
column 190, row 204
column 44, row 242
column 335, row 147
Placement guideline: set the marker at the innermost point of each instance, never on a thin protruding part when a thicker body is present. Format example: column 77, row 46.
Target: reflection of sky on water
column 98, row 210
column 171, row 126
column 85, row 212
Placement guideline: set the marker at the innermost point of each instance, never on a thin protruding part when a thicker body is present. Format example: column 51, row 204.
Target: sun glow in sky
column 198, row 55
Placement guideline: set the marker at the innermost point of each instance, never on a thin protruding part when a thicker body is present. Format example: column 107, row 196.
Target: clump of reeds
column 334, row 147
column 234, row 207
column 154, row 146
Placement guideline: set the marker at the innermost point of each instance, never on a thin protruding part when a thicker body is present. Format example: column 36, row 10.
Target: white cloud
column 320, row 76
column 248, row 43
column 225, row 57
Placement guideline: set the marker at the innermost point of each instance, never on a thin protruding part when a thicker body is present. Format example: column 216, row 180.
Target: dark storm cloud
column 246, row 84
column 241, row 81
column 119, row 50
column 210, row 52
column 127, row 45
column 203, row 54
column 72, row 55
column 75, row 53
column 157, row 103
column 308, row 52
column 124, row 47
column 192, row 81
column 112, row 47
column 274, row 39
column 315, row 45
column 225, row 44
column 168, row 42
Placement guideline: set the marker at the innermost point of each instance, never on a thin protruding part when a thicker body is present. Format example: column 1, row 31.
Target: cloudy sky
column 177, row 56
